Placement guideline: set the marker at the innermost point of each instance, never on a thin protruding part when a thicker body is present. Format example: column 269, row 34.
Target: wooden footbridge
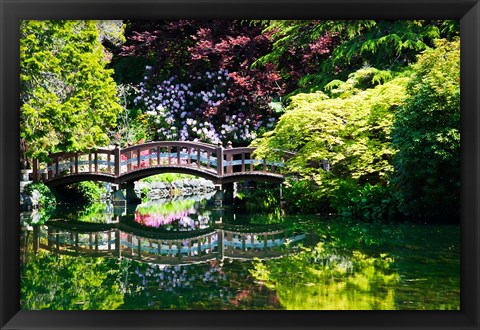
column 216, row 163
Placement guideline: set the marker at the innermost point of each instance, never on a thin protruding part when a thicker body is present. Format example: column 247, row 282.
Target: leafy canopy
column 427, row 133
column 351, row 131
column 330, row 50
column 68, row 98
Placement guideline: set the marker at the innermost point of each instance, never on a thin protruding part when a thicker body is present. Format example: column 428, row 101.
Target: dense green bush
column 90, row 191
column 427, row 134
column 47, row 196
column 304, row 197
column 86, row 192
column 68, row 98
column 367, row 203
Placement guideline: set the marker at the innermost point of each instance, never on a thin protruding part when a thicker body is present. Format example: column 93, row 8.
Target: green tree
column 68, row 98
column 351, row 132
column 427, row 134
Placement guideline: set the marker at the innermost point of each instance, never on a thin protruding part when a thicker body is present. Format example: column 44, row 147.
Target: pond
column 185, row 254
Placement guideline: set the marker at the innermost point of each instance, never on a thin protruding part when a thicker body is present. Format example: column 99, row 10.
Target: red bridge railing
column 208, row 158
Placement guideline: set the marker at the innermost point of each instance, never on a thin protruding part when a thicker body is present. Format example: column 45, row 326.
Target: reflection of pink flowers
column 181, row 219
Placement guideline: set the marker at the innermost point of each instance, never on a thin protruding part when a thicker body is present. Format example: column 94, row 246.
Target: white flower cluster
column 178, row 110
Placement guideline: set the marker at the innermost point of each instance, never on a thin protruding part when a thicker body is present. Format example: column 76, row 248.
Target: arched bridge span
column 215, row 163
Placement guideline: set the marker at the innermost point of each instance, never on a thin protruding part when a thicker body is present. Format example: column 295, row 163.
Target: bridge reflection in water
column 181, row 249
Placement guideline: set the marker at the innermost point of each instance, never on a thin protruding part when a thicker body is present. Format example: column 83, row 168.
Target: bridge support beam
column 283, row 202
column 221, row 245
column 118, row 197
column 228, row 192
column 131, row 197
column 225, row 194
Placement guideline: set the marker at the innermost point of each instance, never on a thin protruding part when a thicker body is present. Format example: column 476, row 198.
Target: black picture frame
column 12, row 11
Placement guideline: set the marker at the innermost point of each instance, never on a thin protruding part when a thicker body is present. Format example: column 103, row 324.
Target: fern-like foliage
column 387, row 45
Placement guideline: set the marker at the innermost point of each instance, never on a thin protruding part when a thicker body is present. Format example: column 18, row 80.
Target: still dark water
column 188, row 254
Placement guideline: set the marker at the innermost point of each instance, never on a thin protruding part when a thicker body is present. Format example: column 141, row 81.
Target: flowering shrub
column 199, row 110
column 201, row 84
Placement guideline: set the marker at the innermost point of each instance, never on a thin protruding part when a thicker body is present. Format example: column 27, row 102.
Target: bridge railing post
column 229, row 158
column 117, row 158
column 76, row 163
column 220, row 159
column 35, row 173
column 95, row 161
column 49, row 170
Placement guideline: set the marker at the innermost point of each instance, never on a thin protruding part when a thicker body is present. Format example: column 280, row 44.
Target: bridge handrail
column 65, row 154
column 53, row 166
column 237, row 151
column 188, row 144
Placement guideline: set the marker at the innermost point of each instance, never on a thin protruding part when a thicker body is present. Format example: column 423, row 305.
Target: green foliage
column 427, row 134
column 69, row 283
column 364, row 78
column 387, row 45
column 68, row 98
column 260, row 200
column 85, row 192
column 303, row 197
column 168, row 177
column 47, row 198
column 373, row 203
column 351, row 131
column 353, row 128
column 291, row 34
column 91, row 191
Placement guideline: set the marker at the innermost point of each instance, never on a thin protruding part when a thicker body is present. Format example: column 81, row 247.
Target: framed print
column 239, row 164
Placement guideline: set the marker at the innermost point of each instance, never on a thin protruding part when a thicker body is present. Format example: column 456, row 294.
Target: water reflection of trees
column 197, row 273
column 55, row 276
column 321, row 278
column 53, row 282
column 213, row 285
